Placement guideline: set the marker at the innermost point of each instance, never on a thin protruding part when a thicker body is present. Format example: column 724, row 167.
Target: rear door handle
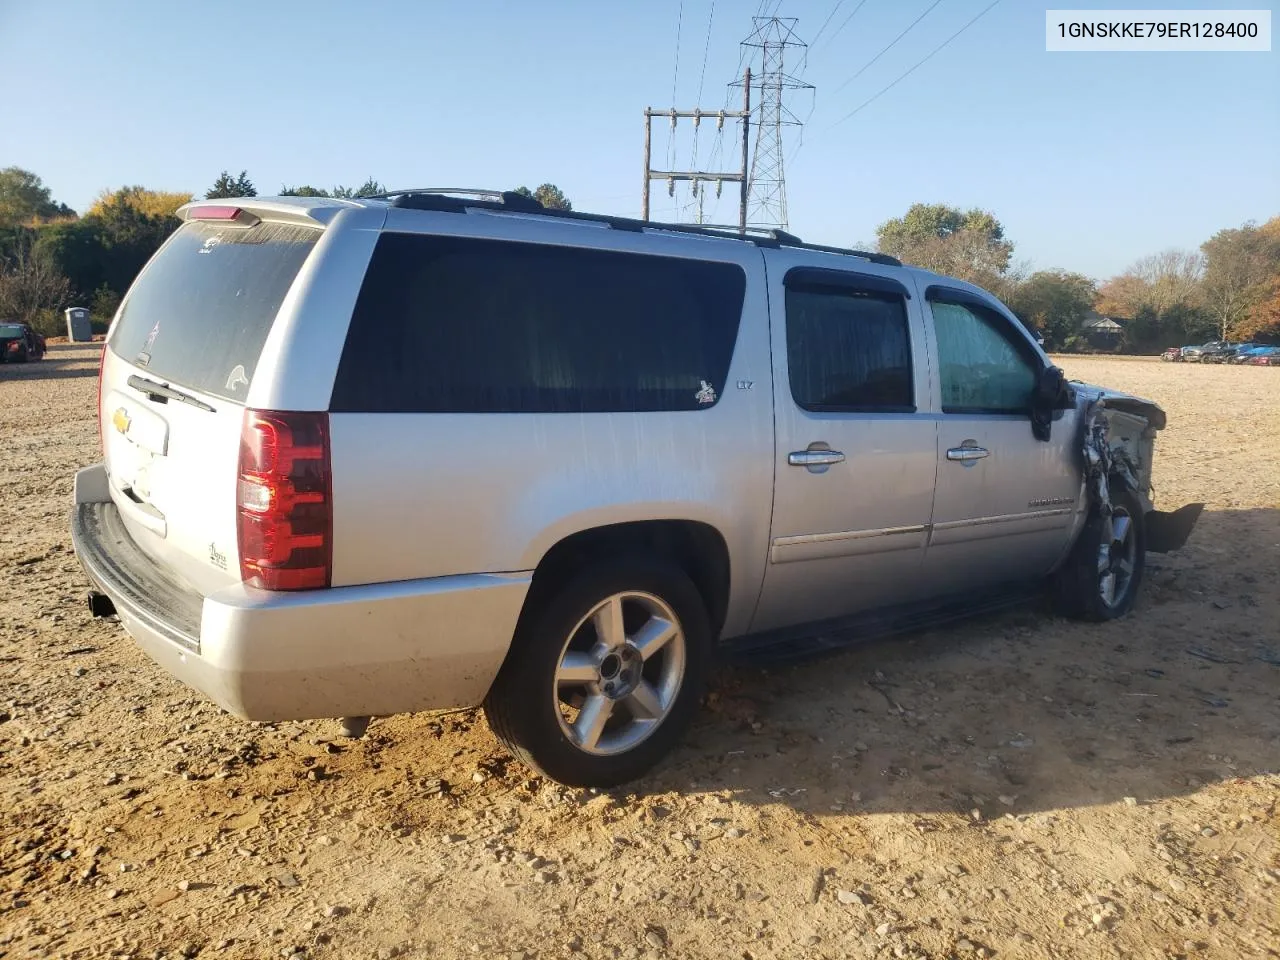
column 814, row 458
column 967, row 453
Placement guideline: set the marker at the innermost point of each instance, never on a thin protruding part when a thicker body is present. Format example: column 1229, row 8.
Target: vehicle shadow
column 1023, row 710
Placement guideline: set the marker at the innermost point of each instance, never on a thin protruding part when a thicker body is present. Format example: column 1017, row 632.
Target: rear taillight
column 283, row 501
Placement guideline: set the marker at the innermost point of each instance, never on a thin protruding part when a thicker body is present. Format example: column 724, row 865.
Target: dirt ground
column 1017, row 786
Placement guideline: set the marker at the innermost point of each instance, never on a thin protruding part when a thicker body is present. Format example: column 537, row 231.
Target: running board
column 829, row 636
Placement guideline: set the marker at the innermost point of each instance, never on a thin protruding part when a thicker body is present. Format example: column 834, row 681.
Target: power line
column 675, row 73
column 843, row 24
column 892, row 44
column 813, row 105
column 675, row 76
column 706, row 49
column 936, row 50
column 818, row 36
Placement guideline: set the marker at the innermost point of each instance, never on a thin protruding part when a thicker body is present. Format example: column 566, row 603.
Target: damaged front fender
column 1118, row 446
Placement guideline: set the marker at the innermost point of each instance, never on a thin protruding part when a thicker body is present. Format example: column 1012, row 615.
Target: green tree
column 969, row 244
column 1263, row 320
column 549, row 195
column 104, row 249
column 33, row 290
column 1159, row 282
column 153, row 203
column 369, row 188
column 1240, row 267
column 228, row 186
column 25, row 199
column 1055, row 303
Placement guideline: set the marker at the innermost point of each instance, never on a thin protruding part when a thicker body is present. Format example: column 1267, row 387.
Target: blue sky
column 1089, row 159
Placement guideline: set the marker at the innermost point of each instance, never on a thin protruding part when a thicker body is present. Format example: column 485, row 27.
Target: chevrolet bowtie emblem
column 120, row 420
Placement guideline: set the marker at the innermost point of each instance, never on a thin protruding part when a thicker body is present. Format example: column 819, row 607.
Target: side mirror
column 1051, row 392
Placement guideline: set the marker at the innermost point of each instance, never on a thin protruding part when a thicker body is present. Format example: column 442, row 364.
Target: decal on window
column 237, row 378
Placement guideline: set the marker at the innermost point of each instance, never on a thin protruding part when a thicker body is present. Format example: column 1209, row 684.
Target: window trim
column 939, row 293
column 827, row 278
column 829, row 282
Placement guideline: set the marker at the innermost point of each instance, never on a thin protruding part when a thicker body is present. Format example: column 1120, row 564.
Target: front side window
column 461, row 325
column 982, row 369
column 848, row 350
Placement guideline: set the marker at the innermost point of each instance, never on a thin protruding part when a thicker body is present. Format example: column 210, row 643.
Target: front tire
column 604, row 675
column 1100, row 579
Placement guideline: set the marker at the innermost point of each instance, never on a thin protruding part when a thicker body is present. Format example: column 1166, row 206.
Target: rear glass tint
column 200, row 312
column 457, row 325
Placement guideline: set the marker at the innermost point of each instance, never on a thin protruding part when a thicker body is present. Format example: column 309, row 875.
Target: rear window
column 11, row 330
column 458, row 325
column 200, row 312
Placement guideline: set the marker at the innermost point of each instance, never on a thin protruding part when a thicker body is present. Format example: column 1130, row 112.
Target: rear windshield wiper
column 153, row 389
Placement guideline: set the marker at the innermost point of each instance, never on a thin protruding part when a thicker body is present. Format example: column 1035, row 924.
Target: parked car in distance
column 1245, row 351
column 1191, row 353
column 1215, row 351
column 1265, row 357
column 444, row 448
column 19, row 343
column 1172, row 355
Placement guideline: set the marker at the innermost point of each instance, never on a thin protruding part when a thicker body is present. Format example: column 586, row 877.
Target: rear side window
column 200, row 312
column 848, row 350
column 459, row 325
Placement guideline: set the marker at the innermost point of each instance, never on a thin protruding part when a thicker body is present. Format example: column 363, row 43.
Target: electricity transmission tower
column 774, row 37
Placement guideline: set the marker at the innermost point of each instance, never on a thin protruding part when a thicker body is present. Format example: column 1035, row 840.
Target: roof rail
column 459, row 200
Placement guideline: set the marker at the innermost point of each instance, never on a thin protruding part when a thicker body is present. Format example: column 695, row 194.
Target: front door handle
column 967, row 453
column 814, row 458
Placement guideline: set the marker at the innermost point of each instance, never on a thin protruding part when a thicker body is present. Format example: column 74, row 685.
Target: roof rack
column 461, row 199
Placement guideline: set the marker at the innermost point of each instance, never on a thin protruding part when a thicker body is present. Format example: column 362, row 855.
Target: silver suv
column 443, row 448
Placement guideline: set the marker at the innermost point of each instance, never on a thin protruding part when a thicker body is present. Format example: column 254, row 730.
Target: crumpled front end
column 1118, row 446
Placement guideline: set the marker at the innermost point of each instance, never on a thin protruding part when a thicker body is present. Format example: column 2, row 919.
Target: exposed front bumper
column 368, row 650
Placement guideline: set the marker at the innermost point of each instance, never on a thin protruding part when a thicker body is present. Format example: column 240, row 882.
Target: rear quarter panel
column 428, row 495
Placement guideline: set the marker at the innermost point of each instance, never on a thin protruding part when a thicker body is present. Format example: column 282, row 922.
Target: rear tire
column 1100, row 580
column 604, row 674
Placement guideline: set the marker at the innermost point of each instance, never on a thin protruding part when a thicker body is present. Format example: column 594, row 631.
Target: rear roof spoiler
column 308, row 211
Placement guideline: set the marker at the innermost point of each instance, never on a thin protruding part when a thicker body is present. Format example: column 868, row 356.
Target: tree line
column 1227, row 289
column 51, row 257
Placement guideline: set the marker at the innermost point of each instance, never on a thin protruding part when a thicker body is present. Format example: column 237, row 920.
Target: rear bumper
column 348, row 651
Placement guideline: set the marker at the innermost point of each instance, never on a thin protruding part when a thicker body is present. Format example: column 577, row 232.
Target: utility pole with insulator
column 700, row 178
